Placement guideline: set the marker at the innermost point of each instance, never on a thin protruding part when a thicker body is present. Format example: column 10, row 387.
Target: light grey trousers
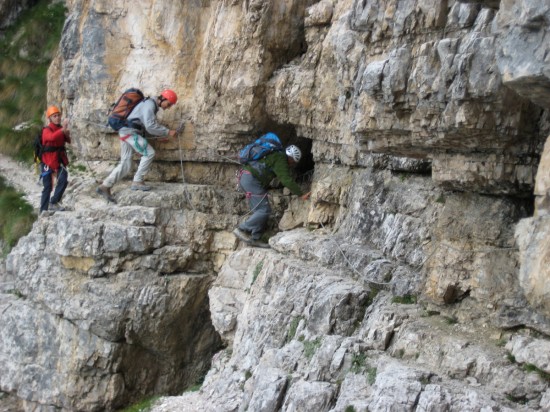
column 258, row 203
column 129, row 144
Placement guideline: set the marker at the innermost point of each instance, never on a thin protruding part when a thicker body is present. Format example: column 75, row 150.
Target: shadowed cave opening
column 287, row 133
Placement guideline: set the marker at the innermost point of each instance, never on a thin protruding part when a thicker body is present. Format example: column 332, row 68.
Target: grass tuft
column 16, row 217
column 143, row 406
column 404, row 300
column 293, row 328
column 310, row 347
column 257, row 271
column 358, row 362
column 371, row 375
column 450, row 320
column 529, row 367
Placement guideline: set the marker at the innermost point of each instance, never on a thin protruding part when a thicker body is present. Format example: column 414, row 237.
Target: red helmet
column 170, row 95
column 52, row 110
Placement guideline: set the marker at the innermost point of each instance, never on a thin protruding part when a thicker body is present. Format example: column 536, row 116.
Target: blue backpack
column 260, row 148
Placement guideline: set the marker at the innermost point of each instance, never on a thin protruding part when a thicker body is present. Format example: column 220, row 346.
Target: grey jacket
column 145, row 115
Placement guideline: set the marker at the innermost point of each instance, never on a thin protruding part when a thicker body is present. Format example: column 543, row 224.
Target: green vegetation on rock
column 16, row 217
column 26, row 52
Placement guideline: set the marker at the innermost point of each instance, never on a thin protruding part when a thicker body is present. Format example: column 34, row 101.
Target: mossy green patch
column 257, row 271
column 16, row 216
column 142, row 406
column 358, row 362
column 404, row 300
column 293, row 328
column 311, row 346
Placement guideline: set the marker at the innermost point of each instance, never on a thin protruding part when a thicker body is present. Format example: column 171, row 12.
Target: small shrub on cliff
column 16, row 216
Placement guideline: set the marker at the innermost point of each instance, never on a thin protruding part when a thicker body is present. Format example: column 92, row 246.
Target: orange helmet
column 170, row 95
column 52, row 110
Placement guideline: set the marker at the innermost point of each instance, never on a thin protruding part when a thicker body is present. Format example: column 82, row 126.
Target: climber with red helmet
column 254, row 179
column 53, row 160
column 141, row 121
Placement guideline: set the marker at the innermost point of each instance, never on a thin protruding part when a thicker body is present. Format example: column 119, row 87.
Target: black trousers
column 47, row 177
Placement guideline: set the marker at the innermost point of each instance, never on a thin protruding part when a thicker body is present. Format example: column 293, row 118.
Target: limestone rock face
column 299, row 332
column 104, row 304
column 534, row 241
column 522, row 58
column 414, row 278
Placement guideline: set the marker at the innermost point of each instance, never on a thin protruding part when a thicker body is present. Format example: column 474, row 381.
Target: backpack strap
column 138, row 126
column 156, row 105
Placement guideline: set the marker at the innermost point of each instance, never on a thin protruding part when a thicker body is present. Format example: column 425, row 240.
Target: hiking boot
column 242, row 235
column 140, row 186
column 56, row 207
column 258, row 243
column 106, row 193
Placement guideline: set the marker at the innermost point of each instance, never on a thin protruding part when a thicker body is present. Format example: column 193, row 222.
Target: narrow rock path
column 22, row 177
column 25, row 179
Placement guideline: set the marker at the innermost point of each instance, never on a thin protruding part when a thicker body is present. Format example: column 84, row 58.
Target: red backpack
column 119, row 112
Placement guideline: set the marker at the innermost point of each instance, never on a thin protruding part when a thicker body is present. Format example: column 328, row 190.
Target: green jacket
column 271, row 166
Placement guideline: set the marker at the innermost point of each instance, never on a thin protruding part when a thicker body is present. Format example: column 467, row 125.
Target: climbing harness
column 248, row 195
column 239, row 174
column 46, row 171
column 140, row 148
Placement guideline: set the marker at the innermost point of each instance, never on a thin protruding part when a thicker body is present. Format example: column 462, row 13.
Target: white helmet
column 294, row 152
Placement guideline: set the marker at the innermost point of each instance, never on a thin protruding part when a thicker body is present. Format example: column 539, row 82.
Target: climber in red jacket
column 54, row 160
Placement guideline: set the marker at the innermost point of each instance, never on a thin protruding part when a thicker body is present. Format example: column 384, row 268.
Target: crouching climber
column 54, row 160
column 141, row 120
column 254, row 179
